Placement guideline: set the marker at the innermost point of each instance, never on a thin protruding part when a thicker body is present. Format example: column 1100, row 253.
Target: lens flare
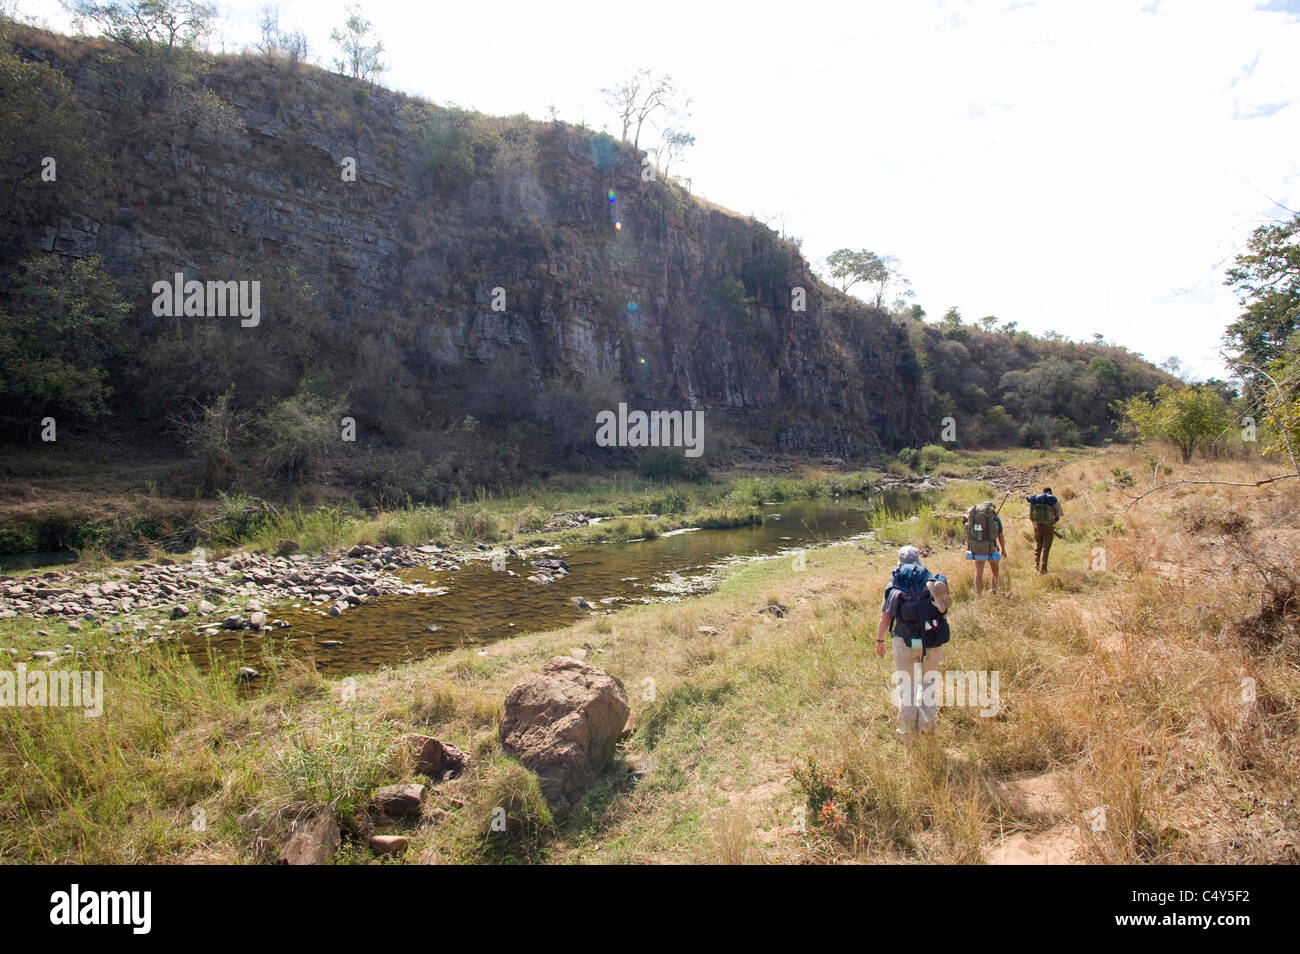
column 631, row 307
column 613, row 196
column 618, row 226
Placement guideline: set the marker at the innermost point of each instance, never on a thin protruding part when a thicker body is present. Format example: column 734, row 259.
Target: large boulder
column 563, row 724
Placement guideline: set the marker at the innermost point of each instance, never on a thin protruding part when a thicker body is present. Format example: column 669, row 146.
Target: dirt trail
column 1040, row 802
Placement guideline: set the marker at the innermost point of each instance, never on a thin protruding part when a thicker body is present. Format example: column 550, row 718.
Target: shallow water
column 36, row 559
column 481, row 604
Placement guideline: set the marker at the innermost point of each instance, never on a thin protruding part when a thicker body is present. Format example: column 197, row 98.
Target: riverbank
column 46, row 506
column 758, row 735
column 338, row 561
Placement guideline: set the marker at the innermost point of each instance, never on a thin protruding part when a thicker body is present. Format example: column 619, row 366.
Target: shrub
column 58, row 340
column 297, row 432
column 932, row 455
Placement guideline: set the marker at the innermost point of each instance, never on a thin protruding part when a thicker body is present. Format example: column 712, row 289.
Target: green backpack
column 981, row 528
column 1042, row 513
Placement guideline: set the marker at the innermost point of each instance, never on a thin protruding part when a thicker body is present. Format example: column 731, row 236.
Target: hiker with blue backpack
column 914, row 609
column 1044, row 512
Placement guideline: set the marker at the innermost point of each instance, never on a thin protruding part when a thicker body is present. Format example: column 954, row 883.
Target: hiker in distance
column 1044, row 512
column 914, row 612
column 984, row 541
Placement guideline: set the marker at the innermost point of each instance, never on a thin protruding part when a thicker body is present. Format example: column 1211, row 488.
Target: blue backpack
column 909, row 580
column 917, row 616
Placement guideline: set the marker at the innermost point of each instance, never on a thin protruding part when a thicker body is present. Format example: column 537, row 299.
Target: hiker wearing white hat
column 913, row 612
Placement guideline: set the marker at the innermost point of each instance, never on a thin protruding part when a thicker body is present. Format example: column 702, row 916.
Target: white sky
column 1072, row 166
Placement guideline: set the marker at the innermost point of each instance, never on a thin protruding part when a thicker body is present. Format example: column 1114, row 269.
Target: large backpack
column 909, row 580
column 981, row 528
column 1041, row 509
column 916, row 607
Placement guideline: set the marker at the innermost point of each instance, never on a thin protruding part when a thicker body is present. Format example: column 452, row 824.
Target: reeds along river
column 481, row 603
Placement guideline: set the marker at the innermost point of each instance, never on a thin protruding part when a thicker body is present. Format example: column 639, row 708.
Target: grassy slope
column 1122, row 685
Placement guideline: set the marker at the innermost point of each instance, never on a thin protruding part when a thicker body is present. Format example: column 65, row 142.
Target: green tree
column 849, row 267
column 39, row 118
column 1187, row 417
column 358, row 47
column 1267, row 280
column 299, row 432
column 59, row 337
column 142, row 25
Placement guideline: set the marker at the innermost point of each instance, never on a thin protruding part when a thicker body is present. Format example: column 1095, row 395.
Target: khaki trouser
column 1044, row 534
column 913, row 718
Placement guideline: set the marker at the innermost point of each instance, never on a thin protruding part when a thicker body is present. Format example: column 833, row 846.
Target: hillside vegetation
column 468, row 300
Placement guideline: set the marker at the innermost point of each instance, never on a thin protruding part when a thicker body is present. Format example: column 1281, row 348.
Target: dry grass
column 1123, row 684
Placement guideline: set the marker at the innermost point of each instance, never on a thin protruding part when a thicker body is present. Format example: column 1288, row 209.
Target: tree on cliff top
column 143, row 25
column 360, row 56
column 849, row 267
column 639, row 97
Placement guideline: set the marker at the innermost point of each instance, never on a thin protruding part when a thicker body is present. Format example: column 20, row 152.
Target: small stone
column 257, row 620
column 247, row 674
column 205, row 608
column 180, row 611
column 398, row 800
column 435, row 758
column 388, row 844
column 331, row 643
column 233, row 622
column 708, row 630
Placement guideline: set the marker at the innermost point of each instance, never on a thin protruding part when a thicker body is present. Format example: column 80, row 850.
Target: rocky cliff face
column 467, row 247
